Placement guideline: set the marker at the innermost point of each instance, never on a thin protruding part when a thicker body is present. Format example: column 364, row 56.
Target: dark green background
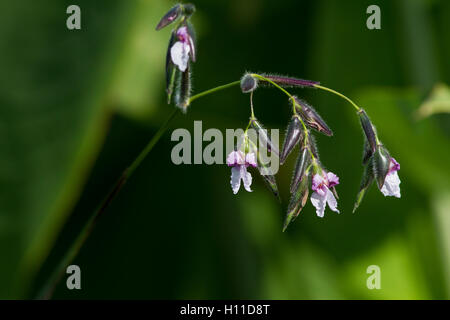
column 76, row 107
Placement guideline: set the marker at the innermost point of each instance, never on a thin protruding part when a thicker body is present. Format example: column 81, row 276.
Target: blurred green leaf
column 437, row 102
column 53, row 118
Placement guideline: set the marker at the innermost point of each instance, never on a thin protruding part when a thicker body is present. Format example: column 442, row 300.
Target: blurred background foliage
column 78, row 106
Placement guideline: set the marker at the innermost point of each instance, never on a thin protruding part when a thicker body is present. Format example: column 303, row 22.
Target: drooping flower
column 382, row 168
column 182, row 49
column 322, row 194
column 391, row 186
column 239, row 163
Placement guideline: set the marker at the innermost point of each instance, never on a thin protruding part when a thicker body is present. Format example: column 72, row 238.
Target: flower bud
column 312, row 145
column 188, row 9
column 366, row 181
column 268, row 178
column 303, row 161
column 248, row 83
column 368, row 130
column 192, row 40
column 171, row 71
column 311, row 118
column 287, row 82
column 380, row 162
column 297, row 202
column 183, row 89
column 293, row 135
column 169, row 17
column 367, row 152
column 263, row 136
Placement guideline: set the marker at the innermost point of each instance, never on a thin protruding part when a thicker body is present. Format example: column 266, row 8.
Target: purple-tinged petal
column 394, row 165
column 235, row 179
column 240, row 156
column 391, row 186
column 183, row 35
column 235, row 158
column 332, row 202
column 319, row 203
column 180, row 55
column 332, row 179
column 317, row 181
column 246, row 178
column 250, row 160
column 231, row 159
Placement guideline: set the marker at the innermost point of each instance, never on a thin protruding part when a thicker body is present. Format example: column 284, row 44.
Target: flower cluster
column 309, row 173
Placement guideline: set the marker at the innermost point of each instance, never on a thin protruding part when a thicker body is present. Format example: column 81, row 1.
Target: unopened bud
column 297, row 202
column 368, row 129
column 183, row 89
column 311, row 118
column 293, row 135
column 380, row 162
column 303, row 161
column 169, row 17
column 248, row 83
column 366, row 181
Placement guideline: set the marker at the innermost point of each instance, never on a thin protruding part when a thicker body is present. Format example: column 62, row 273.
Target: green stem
column 55, row 277
column 338, row 94
column 204, row 93
column 251, row 106
column 150, row 145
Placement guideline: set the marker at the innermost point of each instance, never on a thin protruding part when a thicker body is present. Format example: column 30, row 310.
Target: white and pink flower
column 391, row 186
column 239, row 163
column 182, row 49
column 322, row 195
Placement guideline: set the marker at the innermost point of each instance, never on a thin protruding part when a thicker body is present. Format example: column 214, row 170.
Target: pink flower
column 240, row 161
column 391, row 186
column 181, row 49
column 322, row 195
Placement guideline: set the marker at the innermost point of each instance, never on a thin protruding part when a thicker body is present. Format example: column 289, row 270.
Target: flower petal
column 180, row 55
column 319, row 202
column 394, row 165
column 391, row 185
column 317, row 181
column 332, row 179
column 250, row 160
column 235, row 158
column 183, row 34
column 246, row 178
column 331, row 200
column 231, row 158
column 235, row 179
